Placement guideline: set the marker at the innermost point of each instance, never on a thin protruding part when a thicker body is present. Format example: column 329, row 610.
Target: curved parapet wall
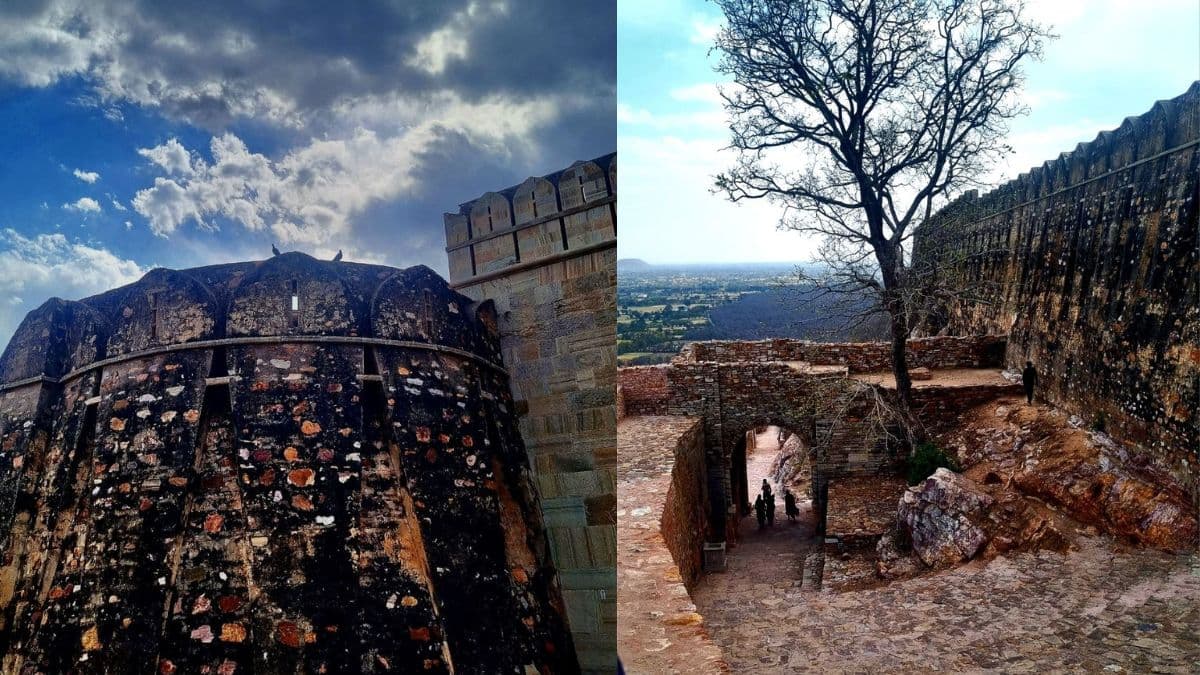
column 1090, row 264
column 278, row 466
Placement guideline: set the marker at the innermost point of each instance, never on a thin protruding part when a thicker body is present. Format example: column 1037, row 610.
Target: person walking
column 760, row 512
column 789, row 505
column 770, row 509
column 1029, row 379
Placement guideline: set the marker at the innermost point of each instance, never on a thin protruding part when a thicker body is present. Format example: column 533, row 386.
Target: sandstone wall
column 686, row 508
column 544, row 252
column 972, row 351
column 1090, row 264
column 644, row 389
column 351, row 494
column 736, row 396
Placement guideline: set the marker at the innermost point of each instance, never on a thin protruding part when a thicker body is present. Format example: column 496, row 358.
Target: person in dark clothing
column 760, row 512
column 789, row 505
column 770, row 509
column 1029, row 379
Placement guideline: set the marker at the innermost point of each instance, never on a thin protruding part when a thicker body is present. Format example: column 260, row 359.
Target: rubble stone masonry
column 287, row 465
column 545, row 252
column 1091, row 264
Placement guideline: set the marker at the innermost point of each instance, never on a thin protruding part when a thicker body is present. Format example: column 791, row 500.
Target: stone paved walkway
column 1100, row 609
column 658, row 629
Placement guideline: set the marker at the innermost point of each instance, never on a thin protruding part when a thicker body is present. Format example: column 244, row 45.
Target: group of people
column 764, row 506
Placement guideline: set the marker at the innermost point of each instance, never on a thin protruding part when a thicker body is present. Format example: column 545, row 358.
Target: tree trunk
column 898, row 324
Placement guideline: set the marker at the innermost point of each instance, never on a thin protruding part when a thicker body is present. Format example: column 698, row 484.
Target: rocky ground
column 1040, row 452
column 1097, row 604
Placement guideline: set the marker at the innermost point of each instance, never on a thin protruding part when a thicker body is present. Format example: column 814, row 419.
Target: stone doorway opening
column 782, row 458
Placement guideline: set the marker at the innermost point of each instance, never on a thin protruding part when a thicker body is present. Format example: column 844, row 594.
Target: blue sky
column 1113, row 59
column 177, row 134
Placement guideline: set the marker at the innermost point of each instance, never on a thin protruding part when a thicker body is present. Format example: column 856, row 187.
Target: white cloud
column 445, row 44
column 83, row 205
column 87, row 176
column 45, row 265
column 171, row 156
column 312, row 193
column 705, row 29
column 700, row 226
column 117, row 204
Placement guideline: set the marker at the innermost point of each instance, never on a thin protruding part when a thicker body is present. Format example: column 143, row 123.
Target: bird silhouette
column 338, row 256
column 274, row 250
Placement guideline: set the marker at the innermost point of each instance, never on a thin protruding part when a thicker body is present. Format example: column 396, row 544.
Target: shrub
column 926, row 459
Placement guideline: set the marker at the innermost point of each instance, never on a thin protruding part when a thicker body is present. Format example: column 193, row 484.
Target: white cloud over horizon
column 50, row 265
column 1113, row 59
column 86, row 176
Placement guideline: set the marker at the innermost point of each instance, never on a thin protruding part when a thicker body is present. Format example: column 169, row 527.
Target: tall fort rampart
column 288, row 465
column 545, row 252
column 1090, row 264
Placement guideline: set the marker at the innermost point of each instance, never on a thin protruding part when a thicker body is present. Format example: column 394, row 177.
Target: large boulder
column 944, row 517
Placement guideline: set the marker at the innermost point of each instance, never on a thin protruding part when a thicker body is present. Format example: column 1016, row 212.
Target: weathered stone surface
column 544, row 252
column 1098, row 481
column 156, row 515
column 942, row 518
column 1089, row 263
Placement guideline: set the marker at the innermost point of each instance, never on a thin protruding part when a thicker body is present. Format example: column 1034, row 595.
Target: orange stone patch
column 120, row 405
column 192, row 416
column 260, row 385
column 116, row 424
column 233, row 632
column 212, row 523
column 267, row 477
column 302, row 503
column 287, row 633
column 301, row 477
column 423, row 434
column 291, row 454
column 308, row 427
column 90, row 639
column 178, row 481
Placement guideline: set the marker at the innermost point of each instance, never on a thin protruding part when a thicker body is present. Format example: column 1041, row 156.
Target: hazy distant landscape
column 662, row 307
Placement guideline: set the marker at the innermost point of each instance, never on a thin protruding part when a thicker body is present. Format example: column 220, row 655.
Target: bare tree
column 861, row 118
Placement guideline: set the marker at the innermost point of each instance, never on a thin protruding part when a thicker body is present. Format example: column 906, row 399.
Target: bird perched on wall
column 274, row 250
column 338, row 256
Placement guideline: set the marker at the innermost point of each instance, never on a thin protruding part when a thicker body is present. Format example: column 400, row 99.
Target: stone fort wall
column 1091, row 264
column 544, row 252
column 269, row 466
column 756, row 387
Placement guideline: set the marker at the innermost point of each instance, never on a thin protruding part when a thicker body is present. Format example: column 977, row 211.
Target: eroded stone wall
column 1090, row 262
column 686, row 508
column 644, row 389
column 971, row 351
column 207, row 496
column 544, row 252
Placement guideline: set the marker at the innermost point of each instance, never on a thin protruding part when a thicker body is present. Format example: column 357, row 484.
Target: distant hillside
column 633, row 265
column 790, row 313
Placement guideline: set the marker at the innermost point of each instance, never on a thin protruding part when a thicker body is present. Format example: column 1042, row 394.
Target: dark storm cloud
column 213, row 62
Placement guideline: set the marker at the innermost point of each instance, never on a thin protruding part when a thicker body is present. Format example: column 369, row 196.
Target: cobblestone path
column 1102, row 608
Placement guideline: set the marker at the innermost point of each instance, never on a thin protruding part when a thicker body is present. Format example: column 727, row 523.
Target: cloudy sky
column 1114, row 59
column 177, row 134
